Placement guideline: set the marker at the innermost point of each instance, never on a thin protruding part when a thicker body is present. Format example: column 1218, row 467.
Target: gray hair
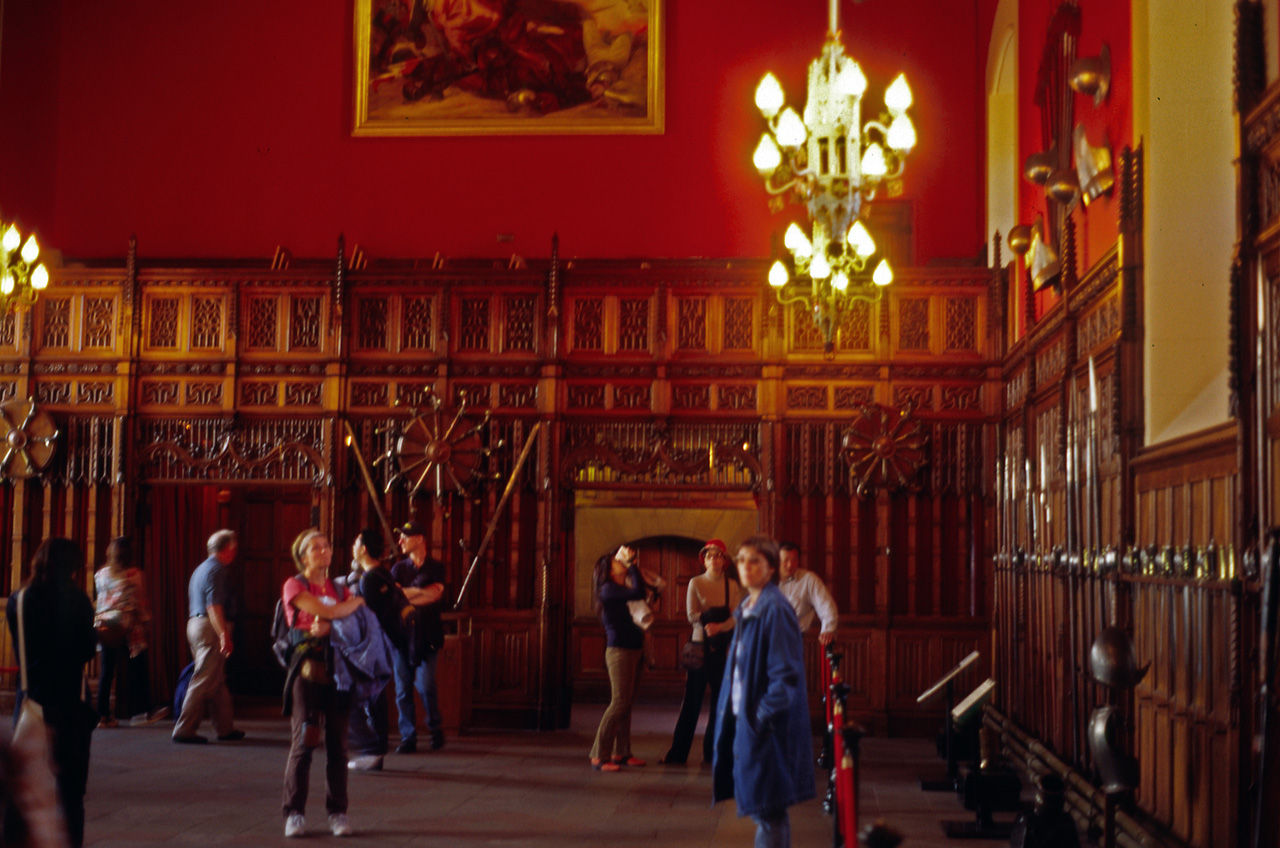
column 220, row 541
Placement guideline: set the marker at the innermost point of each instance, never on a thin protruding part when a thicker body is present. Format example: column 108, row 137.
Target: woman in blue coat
column 764, row 749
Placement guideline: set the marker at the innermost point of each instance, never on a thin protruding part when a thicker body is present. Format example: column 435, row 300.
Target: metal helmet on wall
column 1112, row 660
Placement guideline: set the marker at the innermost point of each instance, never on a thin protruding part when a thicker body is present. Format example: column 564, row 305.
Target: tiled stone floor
column 486, row 788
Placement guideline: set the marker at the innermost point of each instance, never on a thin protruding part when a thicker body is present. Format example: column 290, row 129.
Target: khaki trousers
column 613, row 738
column 208, row 686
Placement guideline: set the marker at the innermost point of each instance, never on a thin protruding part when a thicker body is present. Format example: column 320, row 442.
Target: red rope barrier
column 842, row 738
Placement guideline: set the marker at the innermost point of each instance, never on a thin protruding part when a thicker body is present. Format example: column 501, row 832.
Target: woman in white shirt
column 710, row 601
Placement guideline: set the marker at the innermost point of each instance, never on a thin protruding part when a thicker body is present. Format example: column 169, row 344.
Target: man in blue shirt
column 209, row 634
column 422, row 579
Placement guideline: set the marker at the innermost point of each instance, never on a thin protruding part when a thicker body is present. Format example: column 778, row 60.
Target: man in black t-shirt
column 371, row 579
column 422, row 580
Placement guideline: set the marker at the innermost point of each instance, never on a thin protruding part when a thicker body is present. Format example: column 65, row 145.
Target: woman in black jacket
column 59, row 640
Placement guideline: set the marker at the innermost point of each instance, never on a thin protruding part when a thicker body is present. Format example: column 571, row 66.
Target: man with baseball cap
column 422, row 579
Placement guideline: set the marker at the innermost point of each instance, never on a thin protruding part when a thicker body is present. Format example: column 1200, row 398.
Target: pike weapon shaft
column 497, row 513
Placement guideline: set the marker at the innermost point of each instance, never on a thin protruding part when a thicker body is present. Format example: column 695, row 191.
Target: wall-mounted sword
column 374, row 495
column 497, row 513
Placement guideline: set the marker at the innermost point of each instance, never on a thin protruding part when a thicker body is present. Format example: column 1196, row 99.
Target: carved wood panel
column 263, row 323
column 371, row 322
column 206, row 322
column 474, row 324
column 691, row 323
column 739, row 323
column 99, row 323
column 56, row 323
column 306, row 312
column 521, row 324
column 961, row 324
column 162, row 322
column 913, row 323
column 856, row 326
column 633, row 334
column 588, row 323
column 415, row 331
column 805, row 334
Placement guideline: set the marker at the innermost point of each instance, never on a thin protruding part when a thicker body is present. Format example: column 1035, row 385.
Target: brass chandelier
column 21, row 279
column 833, row 163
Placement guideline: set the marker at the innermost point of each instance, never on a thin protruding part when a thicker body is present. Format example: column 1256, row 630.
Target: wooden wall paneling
column 843, row 562
column 868, row 559
column 899, row 554
column 930, row 574
column 211, row 343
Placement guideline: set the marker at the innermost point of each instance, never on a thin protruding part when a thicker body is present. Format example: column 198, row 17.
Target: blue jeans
column 369, row 725
column 773, row 830
column 423, row 678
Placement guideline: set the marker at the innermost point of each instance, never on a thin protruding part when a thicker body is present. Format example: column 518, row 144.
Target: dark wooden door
column 267, row 521
column 675, row 558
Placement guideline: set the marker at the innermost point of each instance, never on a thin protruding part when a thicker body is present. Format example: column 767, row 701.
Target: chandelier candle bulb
column 797, row 242
column 769, row 96
column 898, row 95
column 902, row 133
column 819, row 268
column 6, row 284
column 850, row 81
column 767, row 157
column 11, row 239
column 778, row 275
column 30, row 250
column 860, row 240
column 791, row 131
column 39, row 278
column 840, row 282
column 873, row 163
column 883, row 275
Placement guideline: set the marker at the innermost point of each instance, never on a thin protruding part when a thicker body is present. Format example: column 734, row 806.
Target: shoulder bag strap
column 22, row 641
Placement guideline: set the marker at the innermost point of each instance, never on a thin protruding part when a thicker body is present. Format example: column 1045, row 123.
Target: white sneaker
column 295, row 825
column 339, row 825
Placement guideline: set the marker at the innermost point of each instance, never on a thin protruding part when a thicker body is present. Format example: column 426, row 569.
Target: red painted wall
column 28, row 92
column 224, row 129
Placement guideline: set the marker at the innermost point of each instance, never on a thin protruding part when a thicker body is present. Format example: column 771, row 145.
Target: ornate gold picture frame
column 528, row 67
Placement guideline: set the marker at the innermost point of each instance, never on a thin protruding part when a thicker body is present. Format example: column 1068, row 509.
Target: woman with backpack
column 319, row 710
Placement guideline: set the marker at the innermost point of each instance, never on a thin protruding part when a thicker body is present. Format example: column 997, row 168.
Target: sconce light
column 1040, row 165
column 1064, row 187
column 1091, row 75
column 1019, row 239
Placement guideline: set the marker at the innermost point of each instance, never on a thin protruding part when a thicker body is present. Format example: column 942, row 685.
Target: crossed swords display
column 445, row 442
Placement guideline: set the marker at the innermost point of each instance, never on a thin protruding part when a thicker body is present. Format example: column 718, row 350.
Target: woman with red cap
column 710, row 603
